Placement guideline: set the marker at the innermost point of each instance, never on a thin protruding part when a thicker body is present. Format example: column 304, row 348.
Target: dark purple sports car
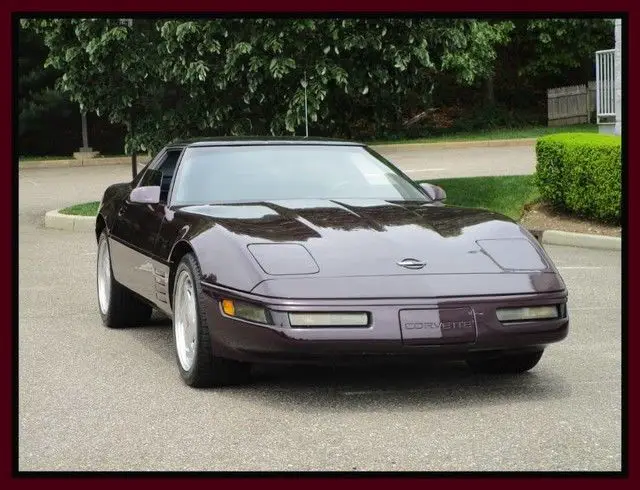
column 299, row 250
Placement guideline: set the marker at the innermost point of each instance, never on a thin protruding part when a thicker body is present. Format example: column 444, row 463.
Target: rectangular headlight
column 328, row 319
column 244, row 311
column 528, row 313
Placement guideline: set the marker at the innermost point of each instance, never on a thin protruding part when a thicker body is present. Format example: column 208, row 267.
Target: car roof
column 262, row 141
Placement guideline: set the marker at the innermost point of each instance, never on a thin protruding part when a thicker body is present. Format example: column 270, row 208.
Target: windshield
column 262, row 173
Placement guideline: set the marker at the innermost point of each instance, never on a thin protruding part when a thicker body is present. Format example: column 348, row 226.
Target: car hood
column 363, row 238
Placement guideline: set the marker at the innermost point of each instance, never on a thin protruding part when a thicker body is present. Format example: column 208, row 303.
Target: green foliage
column 547, row 53
column 581, row 173
column 166, row 79
column 38, row 102
column 548, row 40
column 493, row 117
column 178, row 78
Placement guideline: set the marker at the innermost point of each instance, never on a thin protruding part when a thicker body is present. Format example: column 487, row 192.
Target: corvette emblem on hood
column 411, row 264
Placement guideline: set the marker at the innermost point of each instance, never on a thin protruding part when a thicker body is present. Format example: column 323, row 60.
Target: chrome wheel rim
column 185, row 321
column 104, row 277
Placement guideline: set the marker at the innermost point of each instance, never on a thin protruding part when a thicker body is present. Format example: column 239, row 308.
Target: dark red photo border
column 627, row 9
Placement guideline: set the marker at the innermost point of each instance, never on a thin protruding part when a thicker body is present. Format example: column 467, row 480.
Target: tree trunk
column 85, row 135
column 134, row 164
column 134, row 157
column 489, row 95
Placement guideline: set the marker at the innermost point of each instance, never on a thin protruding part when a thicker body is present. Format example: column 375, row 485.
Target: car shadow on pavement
column 156, row 335
column 425, row 383
column 428, row 385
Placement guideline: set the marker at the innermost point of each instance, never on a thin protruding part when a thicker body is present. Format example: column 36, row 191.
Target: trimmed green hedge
column 581, row 173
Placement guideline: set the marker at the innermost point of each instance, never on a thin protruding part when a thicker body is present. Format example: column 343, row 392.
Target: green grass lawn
column 497, row 134
column 84, row 209
column 506, row 195
column 40, row 159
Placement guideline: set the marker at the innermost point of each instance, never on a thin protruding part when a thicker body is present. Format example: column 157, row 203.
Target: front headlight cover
column 329, row 319
column 278, row 259
column 513, row 254
column 528, row 313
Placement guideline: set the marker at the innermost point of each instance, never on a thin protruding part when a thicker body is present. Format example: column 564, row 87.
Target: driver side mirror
column 434, row 192
column 145, row 194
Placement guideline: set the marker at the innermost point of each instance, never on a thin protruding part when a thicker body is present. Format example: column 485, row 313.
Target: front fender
column 224, row 261
column 111, row 202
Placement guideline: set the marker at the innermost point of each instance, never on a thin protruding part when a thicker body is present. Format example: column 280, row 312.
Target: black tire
column 505, row 363
column 123, row 308
column 207, row 369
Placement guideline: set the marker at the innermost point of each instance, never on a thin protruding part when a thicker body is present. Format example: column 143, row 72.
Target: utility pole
column 306, row 112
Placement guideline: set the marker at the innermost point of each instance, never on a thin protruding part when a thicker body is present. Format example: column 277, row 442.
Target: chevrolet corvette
column 317, row 251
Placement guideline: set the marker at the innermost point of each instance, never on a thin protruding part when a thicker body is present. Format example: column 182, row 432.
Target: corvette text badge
column 438, row 326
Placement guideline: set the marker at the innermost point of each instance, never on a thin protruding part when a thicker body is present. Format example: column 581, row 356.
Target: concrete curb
column 68, row 222
column 583, row 240
column 72, row 162
column 457, row 144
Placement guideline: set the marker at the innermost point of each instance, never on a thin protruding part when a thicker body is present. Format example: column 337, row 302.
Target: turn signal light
column 244, row 311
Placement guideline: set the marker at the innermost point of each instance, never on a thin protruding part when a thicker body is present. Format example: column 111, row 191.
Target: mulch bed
column 541, row 216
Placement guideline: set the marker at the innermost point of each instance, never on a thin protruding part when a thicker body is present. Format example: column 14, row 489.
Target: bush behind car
column 581, row 173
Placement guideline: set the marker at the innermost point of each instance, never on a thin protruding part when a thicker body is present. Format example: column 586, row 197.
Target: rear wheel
column 118, row 306
column 506, row 362
column 198, row 364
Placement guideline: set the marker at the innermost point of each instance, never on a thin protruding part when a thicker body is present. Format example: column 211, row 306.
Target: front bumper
column 384, row 337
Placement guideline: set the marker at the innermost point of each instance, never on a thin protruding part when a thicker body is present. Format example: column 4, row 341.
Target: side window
column 161, row 172
column 152, row 164
column 151, row 177
column 168, row 170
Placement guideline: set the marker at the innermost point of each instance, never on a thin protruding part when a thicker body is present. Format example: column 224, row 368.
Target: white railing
column 605, row 84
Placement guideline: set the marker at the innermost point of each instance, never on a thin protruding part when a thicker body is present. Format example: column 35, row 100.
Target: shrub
column 581, row 173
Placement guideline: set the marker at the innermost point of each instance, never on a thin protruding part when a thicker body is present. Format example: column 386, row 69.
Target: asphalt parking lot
column 422, row 163
column 91, row 398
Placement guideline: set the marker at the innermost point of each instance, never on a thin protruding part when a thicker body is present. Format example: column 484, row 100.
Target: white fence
column 605, row 84
column 571, row 105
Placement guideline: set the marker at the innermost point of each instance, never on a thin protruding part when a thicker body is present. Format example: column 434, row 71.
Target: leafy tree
column 177, row 78
column 539, row 54
column 39, row 104
column 557, row 45
column 546, row 53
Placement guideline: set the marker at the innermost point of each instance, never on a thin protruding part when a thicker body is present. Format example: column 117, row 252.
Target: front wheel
column 119, row 307
column 198, row 364
column 505, row 363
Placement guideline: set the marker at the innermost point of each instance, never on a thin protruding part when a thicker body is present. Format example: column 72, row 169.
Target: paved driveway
column 98, row 399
